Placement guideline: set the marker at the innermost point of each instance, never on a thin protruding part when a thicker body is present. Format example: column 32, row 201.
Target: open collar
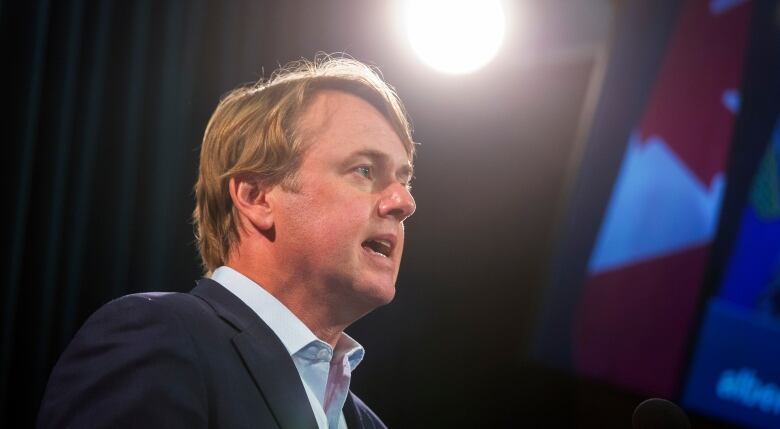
column 264, row 355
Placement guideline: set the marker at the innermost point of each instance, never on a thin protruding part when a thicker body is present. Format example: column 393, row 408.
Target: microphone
column 657, row 413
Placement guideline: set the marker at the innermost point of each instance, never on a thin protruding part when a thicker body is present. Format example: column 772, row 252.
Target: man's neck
column 315, row 313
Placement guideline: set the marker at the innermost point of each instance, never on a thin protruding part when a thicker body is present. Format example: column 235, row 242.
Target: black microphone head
column 657, row 413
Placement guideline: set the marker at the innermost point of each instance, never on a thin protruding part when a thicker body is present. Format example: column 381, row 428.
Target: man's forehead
column 326, row 104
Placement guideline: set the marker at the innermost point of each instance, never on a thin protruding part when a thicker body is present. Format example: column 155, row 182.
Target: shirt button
column 323, row 354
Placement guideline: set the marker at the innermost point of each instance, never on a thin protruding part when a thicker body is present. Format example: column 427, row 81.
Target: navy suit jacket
column 181, row 360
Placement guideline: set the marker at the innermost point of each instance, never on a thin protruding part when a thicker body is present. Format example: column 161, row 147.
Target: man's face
column 341, row 232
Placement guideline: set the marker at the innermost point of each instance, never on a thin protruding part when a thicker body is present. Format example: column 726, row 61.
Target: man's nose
column 397, row 202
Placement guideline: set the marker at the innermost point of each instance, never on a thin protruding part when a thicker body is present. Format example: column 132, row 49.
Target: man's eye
column 364, row 171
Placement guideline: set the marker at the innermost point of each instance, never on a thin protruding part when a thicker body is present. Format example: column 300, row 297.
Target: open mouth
column 380, row 247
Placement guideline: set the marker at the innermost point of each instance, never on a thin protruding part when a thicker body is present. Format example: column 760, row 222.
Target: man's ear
column 249, row 197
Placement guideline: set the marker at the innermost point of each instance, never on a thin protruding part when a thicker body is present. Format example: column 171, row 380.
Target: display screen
column 634, row 308
column 735, row 371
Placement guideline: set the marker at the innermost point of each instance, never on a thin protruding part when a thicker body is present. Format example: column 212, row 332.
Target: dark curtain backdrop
column 108, row 102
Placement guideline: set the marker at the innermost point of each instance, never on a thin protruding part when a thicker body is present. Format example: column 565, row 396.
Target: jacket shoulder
column 132, row 352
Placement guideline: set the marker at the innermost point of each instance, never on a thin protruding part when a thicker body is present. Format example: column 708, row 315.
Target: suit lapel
column 351, row 414
column 359, row 416
column 265, row 357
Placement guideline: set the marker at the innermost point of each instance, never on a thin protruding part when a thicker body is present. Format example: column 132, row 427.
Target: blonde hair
column 253, row 130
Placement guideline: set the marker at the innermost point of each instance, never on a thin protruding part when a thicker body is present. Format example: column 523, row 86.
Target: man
column 302, row 192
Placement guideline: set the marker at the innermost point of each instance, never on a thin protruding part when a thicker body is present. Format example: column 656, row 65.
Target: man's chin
column 376, row 295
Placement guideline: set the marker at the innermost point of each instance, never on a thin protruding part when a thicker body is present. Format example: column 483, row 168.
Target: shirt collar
column 293, row 333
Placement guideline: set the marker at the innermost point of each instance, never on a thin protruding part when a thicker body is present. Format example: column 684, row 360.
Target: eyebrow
column 406, row 170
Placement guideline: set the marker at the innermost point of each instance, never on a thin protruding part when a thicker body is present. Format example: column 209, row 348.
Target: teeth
column 380, row 247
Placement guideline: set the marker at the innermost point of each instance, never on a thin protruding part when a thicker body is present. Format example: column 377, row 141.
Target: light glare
column 455, row 36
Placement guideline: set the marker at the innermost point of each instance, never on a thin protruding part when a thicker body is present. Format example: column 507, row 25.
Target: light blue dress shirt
column 325, row 372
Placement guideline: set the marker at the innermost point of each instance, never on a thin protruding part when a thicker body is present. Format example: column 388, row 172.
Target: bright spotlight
column 455, row 36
